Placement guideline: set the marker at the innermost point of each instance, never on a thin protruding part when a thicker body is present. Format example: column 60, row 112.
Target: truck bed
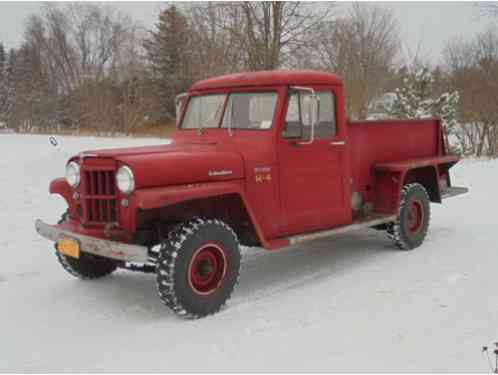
column 390, row 142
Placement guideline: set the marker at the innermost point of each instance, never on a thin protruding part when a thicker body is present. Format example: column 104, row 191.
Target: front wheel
column 198, row 267
column 87, row 266
column 410, row 228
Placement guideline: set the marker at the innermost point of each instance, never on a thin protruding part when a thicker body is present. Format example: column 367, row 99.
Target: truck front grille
column 98, row 195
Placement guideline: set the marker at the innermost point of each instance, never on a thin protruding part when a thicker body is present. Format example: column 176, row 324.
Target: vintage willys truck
column 258, row 159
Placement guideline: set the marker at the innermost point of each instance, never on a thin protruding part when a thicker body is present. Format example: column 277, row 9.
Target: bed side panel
column 374, row 142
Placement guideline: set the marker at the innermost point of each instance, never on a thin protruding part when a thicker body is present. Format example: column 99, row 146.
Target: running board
column 362, row 223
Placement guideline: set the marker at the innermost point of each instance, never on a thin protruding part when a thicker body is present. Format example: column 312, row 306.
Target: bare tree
column 34, row 101
column 6, row 85
column 79, row 40
column 266, row 34
column 81, row 46
column 473, row 68
column 362, row 48
column 216, row 50
column 273, row 31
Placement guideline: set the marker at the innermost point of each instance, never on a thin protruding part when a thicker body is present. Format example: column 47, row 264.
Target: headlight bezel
column 76, row 173
column 125, row 171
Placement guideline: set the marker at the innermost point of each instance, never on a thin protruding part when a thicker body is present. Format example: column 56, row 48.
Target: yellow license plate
column 69, row 247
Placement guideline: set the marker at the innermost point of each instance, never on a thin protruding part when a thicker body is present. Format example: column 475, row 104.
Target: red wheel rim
column 415, row 216
column 207, row 268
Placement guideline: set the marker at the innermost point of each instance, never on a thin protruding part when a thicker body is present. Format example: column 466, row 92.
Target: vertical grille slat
column 99, row 198
column 110, row 176
column 100, row 185
column 94, row 183
column 100, row 190
column 109, row 179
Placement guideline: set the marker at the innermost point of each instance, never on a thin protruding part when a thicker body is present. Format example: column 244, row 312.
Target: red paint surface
column 406, row 165
column 269, row 78
column 286, row 187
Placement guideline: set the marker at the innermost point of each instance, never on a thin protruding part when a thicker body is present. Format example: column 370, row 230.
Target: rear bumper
column 104, row 248
column 453, row 192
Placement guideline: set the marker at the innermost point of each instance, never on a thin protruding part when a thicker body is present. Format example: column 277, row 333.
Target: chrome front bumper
column 104, row 248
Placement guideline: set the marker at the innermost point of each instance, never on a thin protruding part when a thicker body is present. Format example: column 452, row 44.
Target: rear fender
column 427, row 177
column 391, row 177
column 387, row 191
column 164, row 197
column 388, row 186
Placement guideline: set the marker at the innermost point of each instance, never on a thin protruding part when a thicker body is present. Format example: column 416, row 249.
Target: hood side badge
column 219, row 173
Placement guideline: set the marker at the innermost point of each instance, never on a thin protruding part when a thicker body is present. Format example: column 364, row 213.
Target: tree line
column 88, row 66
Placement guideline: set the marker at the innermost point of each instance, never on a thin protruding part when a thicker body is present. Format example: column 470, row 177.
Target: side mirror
column 313, row 111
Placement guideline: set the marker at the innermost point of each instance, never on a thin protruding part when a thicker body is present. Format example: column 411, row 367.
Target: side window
column 298, row 123
column 326, row 126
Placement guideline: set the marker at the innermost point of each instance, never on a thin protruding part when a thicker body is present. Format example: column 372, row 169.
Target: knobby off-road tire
column 410, row 228
column 87, row 266
column 198, row 267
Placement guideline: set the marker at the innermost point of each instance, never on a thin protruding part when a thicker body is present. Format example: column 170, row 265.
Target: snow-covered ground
column 350, row 303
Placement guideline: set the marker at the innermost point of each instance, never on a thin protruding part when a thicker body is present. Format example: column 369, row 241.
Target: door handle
column 338, row 143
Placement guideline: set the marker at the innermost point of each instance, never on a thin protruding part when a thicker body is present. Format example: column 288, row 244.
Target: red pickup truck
column 258, row 159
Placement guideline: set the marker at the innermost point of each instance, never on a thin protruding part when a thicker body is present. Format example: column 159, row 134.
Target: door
column 311, row 174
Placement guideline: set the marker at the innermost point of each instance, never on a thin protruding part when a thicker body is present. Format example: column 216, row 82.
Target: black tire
column 198, row 267
column 87, row 266
column 410, row 228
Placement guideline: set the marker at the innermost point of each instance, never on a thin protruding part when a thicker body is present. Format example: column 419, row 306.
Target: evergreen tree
column 167, row 50
column 416, row 99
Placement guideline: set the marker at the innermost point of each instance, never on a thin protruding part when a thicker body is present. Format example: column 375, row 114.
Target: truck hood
column 176, row 164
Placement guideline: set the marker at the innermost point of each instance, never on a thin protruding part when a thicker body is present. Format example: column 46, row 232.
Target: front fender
column 61, row 187
column 147, row 199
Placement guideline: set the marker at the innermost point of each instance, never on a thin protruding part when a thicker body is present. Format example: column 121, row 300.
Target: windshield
column 204, row 112
column 243, row 111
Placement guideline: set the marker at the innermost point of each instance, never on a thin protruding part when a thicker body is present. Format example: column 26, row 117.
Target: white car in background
column 379, row 107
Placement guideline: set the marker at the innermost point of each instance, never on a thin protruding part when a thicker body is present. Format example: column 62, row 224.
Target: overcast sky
column 428, row 24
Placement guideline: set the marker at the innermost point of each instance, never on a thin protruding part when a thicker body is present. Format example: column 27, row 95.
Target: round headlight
column 73, row 174
column 125, row 180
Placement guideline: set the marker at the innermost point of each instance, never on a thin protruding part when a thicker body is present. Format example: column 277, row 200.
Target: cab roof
column 268, row 78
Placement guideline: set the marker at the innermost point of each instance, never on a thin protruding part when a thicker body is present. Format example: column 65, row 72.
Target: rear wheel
column 410, row 228
column 87, row 266
column 198, row 267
